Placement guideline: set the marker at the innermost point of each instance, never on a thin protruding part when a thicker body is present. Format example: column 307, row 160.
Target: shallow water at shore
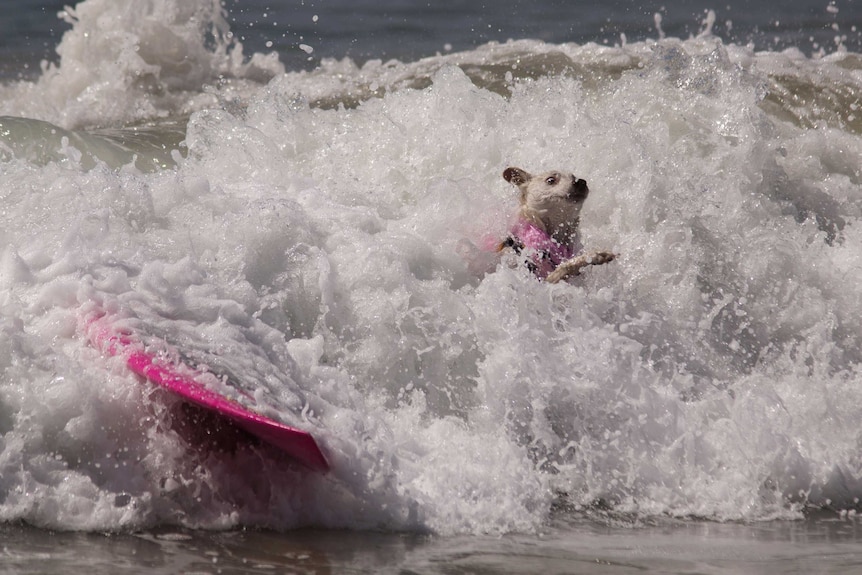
column 828, row 544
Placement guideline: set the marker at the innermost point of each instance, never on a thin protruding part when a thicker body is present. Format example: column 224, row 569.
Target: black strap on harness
column 511, row 242
column 518, row 246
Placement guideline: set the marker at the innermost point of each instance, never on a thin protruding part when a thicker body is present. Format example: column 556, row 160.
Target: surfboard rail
column 181, row 380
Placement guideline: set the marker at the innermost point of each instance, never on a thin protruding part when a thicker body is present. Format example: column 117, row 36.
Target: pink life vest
column 544, row 252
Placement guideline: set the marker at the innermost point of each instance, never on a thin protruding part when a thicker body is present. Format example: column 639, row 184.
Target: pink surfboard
column 181, row 380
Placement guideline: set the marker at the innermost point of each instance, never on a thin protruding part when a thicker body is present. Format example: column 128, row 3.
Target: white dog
column 546, row 231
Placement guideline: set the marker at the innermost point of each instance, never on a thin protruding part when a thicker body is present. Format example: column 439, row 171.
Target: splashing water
column 305, row 235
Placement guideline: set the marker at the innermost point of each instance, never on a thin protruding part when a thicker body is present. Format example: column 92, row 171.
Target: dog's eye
column 551, row 181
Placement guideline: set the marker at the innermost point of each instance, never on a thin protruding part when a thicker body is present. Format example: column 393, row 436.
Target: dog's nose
column 579, row 189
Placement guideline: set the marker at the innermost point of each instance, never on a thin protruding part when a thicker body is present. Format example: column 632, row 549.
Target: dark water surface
column 407, row 30
column 824, row 545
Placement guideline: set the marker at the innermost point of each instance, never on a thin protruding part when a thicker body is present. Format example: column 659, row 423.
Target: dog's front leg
column 572, row 267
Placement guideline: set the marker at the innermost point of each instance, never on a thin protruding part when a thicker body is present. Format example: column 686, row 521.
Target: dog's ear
column 516, row 176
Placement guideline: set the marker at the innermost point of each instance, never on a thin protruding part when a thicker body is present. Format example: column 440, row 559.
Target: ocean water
column 283, row 192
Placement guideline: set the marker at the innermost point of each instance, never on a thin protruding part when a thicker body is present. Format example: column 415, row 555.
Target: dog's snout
column 579, row 188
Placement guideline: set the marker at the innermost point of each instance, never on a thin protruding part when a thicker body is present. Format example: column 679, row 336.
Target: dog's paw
column 558, row 274
column 572, row 267
column 599, row 258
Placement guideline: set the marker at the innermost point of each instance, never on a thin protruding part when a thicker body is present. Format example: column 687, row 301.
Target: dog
column 546, row 229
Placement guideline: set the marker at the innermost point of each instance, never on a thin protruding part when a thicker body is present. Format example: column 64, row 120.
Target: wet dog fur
column 552, row 202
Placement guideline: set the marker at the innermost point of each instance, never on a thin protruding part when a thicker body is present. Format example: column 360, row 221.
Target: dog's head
column 552, row 200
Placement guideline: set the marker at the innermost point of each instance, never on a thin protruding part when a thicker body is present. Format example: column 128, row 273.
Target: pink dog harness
column 544, row 252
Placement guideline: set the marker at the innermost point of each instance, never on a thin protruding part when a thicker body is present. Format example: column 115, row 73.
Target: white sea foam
column 712, row 370
column 124, row 62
